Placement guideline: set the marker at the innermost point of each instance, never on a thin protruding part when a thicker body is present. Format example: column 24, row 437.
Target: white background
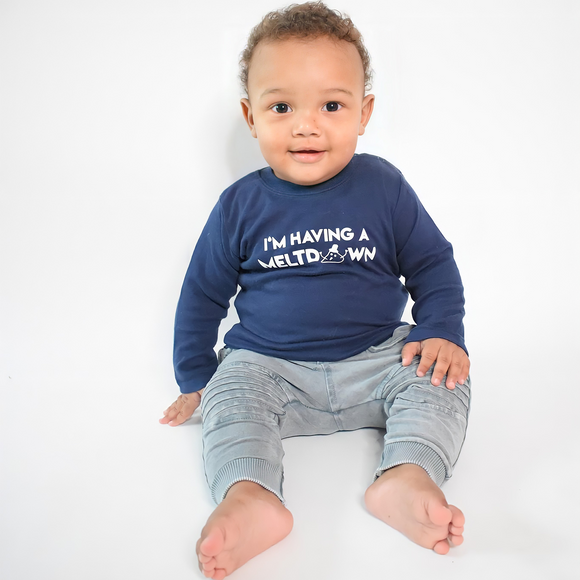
column 119, row 127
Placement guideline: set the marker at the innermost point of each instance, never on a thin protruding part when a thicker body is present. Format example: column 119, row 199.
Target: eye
column 332, row 107
column 281, row 108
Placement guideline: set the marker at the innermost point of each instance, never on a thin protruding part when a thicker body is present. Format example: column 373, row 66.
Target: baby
column 317, row 243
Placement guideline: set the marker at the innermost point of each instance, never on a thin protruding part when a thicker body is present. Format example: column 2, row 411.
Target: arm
column 210, row 282
column 431, row 276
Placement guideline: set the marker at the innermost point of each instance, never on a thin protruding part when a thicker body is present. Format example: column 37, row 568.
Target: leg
column 425, row 431
column 243, row 453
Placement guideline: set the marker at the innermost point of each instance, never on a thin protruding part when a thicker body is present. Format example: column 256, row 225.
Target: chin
column 298, row 180
column 310, row 179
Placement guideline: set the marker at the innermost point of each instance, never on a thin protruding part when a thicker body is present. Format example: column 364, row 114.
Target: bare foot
column 407, row 499
column 247, row 522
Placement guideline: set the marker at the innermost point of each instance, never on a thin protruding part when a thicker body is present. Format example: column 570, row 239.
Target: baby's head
column 304, row 21
column 305, row 71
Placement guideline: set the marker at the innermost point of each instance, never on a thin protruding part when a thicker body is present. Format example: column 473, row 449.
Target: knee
column 422, row 394
column 242, row 390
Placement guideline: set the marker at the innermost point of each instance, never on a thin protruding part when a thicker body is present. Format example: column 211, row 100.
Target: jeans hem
column 400, row 452
column 253, row 469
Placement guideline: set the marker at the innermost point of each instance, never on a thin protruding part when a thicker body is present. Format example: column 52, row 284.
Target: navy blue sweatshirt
column 319, row 270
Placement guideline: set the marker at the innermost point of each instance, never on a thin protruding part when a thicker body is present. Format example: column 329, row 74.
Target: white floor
column 107, row 174
column 93, row 488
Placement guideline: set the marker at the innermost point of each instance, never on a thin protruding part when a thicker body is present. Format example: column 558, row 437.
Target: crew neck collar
column 287, row 187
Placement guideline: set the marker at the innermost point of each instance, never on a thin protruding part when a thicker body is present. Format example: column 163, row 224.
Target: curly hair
column 308, row 20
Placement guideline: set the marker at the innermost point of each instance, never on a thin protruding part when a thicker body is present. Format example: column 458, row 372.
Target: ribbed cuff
column 259, row 471
column 400, row 452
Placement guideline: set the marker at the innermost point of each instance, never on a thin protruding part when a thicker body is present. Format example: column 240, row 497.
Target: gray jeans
column 254, row 401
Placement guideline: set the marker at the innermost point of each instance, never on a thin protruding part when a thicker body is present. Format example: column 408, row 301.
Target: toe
column 441, row 547
column 439, row 514
column 212, row 544
column 457, row 518
column 209, row 565
column 455, row 530
column 456, row 540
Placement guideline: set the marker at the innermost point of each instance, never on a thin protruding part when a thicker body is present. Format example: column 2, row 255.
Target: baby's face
column 307, row 106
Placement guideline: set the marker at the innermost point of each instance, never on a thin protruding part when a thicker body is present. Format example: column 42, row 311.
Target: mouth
column 307, row 155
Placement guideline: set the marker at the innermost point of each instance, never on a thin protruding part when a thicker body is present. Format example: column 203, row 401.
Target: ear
column 368, row 105
column 247, row 112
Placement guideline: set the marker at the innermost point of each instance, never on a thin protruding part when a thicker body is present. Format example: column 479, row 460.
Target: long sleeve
column 431, row 275
column 210, row 283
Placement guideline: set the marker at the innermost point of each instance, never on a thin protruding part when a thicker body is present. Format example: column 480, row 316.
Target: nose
column 305, row 125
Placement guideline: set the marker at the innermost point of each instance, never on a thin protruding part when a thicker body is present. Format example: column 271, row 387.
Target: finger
column 180, row 418
column 454, row 373
column 464, row 371
column 171, row 412
column 441, row 367
column 168, row 410
column 459, row 370
column 167, row 416
column 428, row 357
column 409, row 351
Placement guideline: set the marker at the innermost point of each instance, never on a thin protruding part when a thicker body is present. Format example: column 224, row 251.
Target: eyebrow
column 277, row 90
column 269, row 91
column 338, row 90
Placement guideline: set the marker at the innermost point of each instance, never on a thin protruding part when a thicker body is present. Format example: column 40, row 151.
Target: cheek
column 349, row 140
column 270, row 140
column 270, row 149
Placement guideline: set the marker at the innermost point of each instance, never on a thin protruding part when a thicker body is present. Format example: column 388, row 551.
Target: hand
column 449, row 359
column 182, row 409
